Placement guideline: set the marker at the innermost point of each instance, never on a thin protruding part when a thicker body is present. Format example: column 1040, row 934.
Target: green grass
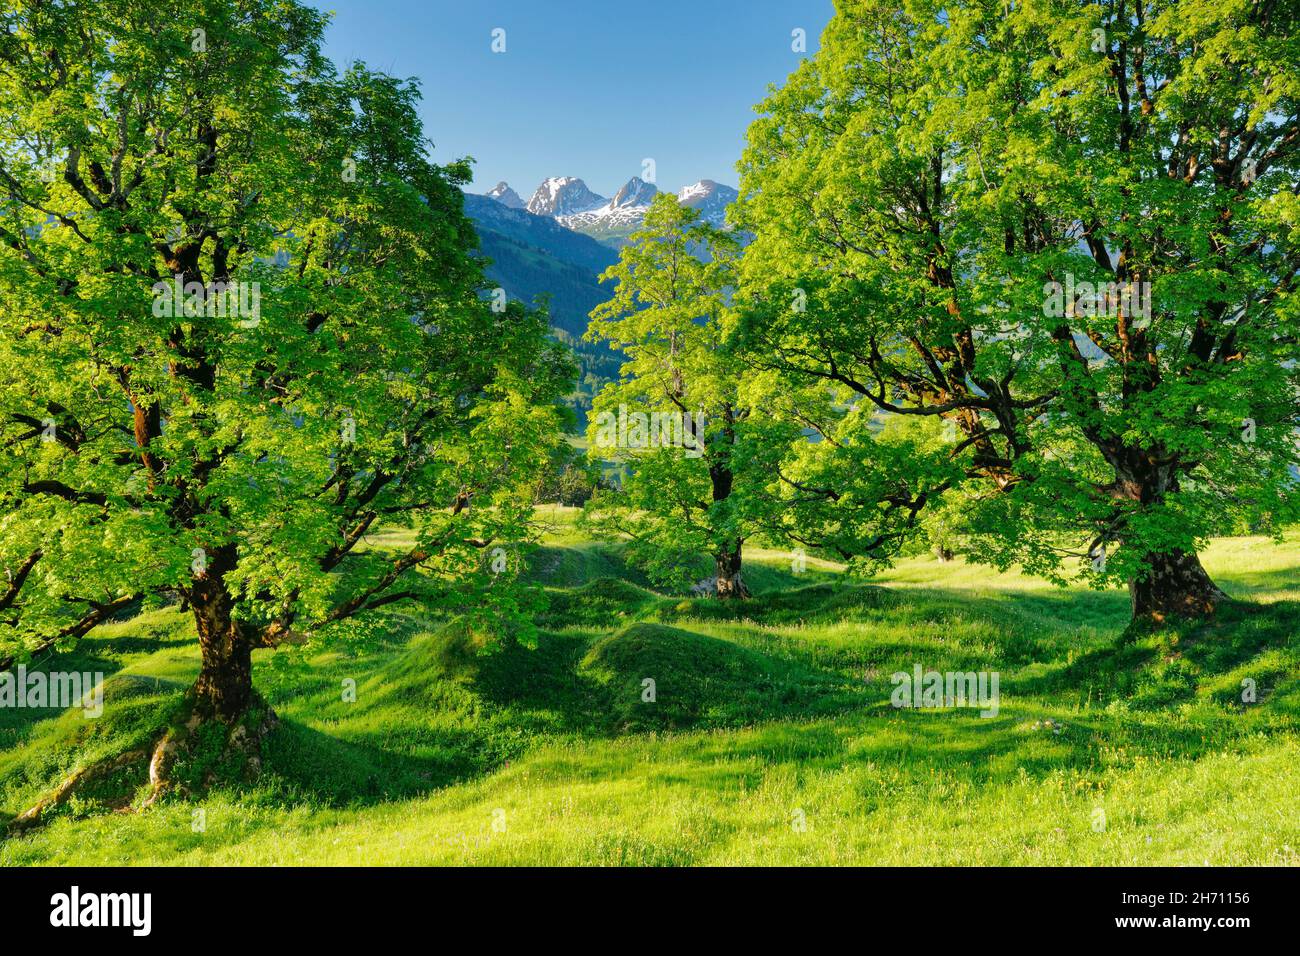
column 771, row 739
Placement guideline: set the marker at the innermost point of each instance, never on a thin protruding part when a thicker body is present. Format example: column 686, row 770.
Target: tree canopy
column 1069, row 230
column 242, row 328
column 674, row 417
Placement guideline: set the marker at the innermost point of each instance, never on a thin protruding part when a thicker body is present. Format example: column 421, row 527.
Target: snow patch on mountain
column 709, row 199
column 563, row 196
column 568, row 201
column 503, row 194
column 635, row 192
column 627, row 208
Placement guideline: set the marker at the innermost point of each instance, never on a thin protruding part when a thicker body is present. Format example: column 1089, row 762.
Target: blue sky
column 585, row 88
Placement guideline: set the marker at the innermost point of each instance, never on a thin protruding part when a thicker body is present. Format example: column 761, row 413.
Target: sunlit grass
column 772, row 740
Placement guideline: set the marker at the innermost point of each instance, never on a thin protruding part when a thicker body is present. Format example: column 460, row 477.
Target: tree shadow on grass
column 1063, row 609
column 1161, row 667
column 542, row 688
column 439, row 715
column 304, row 763
column 564, row 687
column 918, row 747
column 420, row 722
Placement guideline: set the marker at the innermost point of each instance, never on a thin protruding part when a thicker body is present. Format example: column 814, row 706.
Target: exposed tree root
column 242, row 744
column 162, row 758
column 242, row 748
column 34, row 815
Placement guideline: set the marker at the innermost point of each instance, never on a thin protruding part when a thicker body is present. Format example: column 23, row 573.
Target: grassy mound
column 778, row 709
column 393, row 725
column 40, row 747
column 602, row 603
column 135, row 710
column 699, row 680
column 580, row 562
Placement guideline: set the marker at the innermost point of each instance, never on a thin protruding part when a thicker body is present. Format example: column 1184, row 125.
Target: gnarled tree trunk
column 731, row 586
column 1175, row 583
column 224, row 688
column 1172, row 582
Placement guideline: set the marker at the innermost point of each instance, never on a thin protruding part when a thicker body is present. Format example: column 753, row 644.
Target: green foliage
column 674, row 418
column 570, row 478
column 146, row 449
column 377, row 433
column 917, row 186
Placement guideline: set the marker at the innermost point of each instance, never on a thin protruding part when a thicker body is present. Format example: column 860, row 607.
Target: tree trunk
column 225, row 685
column 1172, row 582
column 731, row 586
column 1175, row 583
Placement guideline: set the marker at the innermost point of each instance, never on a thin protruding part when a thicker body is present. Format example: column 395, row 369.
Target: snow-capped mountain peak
column 696, row 190
column 709, row 198
column 617, row 218
column 568, row 201
column 563, row 196
column 636, row 192
column 503, row 194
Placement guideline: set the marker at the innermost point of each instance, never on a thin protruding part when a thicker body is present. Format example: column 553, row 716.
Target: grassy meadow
column 771, row 739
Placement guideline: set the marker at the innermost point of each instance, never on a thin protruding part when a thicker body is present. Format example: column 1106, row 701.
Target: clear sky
column 585, row 88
